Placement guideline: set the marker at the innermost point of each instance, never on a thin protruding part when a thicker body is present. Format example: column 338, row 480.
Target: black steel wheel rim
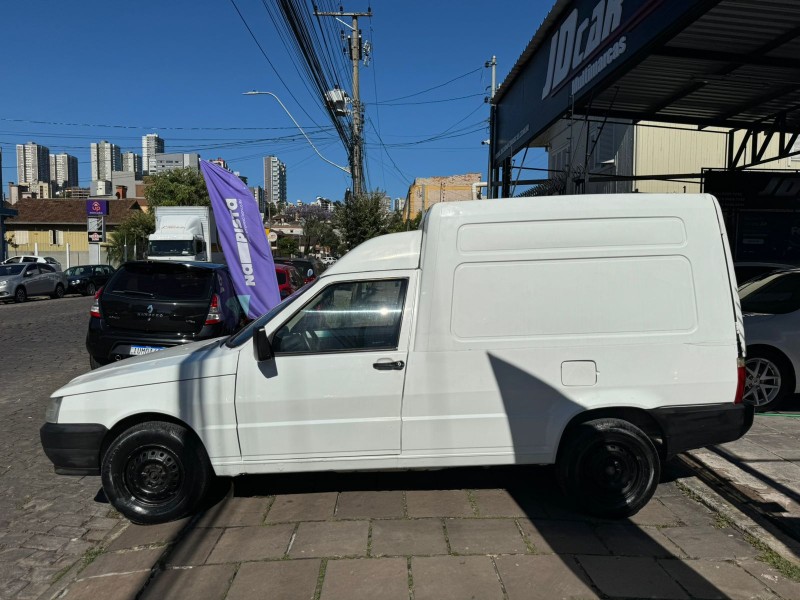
column 153, row 474
column 611, row 471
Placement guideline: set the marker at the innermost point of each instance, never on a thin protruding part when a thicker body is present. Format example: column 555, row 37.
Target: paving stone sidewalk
column 424, row 543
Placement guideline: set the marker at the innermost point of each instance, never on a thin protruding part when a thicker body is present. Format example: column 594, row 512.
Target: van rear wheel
column 609, row 467
column 155, row 472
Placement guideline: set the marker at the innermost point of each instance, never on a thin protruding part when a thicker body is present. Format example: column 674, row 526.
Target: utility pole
column 493, row 65
column 357, row 149
column 490, row 171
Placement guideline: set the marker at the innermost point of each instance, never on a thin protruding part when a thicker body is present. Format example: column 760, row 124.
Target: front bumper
column 73, row 448
column 689, row 427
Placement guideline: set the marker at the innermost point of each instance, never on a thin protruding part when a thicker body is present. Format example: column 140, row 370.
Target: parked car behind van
column 771, row 306
column 607, row 341
column 309, row 267
column 747, row 270
column 34, row 258
column 148, row 306
column 87, row 279
column 289, row 280
column 21, row 280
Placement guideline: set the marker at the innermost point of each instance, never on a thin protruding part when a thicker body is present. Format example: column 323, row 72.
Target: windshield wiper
column 138, row 293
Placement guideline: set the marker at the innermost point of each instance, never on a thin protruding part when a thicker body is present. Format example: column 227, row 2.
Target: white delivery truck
column 599, row 333
column 184, row 233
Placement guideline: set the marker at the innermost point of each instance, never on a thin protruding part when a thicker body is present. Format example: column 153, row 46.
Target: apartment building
column 105, row 158
column 152, row 144
column 274, row 180
column 63, row 171
column 33, row 163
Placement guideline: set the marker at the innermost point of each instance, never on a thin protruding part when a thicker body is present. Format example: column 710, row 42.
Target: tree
column 129, row 240
column 178, row 187
column 361, row 218
column 287, row 246
column 315, row 222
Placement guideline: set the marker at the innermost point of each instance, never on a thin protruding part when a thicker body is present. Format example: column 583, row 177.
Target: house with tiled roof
column 58, row 227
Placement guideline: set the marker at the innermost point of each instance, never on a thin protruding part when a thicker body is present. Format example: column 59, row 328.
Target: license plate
column 139, row 350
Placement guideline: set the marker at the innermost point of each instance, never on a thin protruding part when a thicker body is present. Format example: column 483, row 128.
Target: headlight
column 53, row 408
column 4, row 283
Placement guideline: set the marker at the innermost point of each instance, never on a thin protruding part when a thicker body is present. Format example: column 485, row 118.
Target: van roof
column 383, row 253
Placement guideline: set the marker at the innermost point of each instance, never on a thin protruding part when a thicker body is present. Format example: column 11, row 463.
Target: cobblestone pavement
column 47, row 522
column 470, row 533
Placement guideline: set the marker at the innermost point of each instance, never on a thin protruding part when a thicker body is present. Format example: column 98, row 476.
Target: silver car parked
column 771, row 307
column 18, row 281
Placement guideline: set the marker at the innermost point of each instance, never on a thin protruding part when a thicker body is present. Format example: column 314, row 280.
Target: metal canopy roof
column 735, row 64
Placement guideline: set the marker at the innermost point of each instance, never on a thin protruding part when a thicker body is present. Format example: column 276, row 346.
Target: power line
column 264, row 54
column 437, row 86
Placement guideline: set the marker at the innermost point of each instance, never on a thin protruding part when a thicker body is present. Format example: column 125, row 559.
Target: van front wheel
column 609, row 467
column 155, row 472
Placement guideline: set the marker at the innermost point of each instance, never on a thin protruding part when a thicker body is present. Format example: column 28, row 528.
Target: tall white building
column 132, row 163
column 151, row 145
column 63, row 171
column 274, row 180
column 33, row 163
column 105, row 158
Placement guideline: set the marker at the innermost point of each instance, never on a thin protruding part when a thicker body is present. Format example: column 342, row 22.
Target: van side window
column 347, row 316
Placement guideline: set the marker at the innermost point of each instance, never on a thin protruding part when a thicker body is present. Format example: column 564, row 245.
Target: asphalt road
column 47, row 521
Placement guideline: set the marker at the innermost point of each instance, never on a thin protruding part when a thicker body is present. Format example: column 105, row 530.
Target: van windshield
column 171, row 248
column 772, row 294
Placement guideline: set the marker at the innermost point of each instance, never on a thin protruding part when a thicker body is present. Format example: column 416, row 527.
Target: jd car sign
column 581, row 50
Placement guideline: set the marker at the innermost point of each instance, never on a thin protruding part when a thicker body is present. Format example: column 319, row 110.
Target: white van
column 599, row 333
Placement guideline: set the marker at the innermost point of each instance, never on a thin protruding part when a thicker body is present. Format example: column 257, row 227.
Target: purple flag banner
column 243, row 240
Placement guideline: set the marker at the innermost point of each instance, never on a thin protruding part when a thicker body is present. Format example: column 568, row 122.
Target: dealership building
column 675, row 96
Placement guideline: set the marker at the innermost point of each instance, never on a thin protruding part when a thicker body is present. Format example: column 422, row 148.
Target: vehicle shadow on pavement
column 504, row 532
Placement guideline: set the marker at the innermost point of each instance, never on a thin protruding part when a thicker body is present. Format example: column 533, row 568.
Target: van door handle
column 396, row 365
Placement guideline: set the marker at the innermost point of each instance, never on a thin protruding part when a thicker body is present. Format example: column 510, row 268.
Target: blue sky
column 81, row 72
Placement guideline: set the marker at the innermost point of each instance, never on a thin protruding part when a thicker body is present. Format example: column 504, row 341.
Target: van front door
column 335, row 385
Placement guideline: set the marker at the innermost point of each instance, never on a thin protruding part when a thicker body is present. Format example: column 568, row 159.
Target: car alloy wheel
column 763, row 382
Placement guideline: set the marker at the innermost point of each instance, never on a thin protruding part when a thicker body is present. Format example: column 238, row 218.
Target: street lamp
column 255, row 93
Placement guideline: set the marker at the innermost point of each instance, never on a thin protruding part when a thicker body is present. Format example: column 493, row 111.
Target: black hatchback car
column 148, row 306
column 87, row 279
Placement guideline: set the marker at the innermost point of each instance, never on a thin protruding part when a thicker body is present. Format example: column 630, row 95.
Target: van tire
column 609, row 467
column 764, row 362
column 155, row 472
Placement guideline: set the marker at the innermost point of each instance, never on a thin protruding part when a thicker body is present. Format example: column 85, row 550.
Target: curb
column 758, row 525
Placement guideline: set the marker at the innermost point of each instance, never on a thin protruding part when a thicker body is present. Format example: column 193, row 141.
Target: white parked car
column 26, row 258
column 599, row 333
column 771, row 307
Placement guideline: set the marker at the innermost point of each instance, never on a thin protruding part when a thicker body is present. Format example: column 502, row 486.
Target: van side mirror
column 262, row 349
